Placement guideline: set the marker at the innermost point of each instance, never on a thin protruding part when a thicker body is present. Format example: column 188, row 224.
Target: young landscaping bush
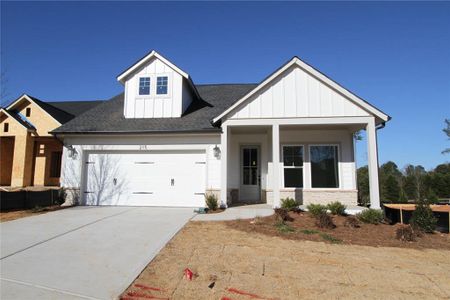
column 211, row 201
column 423, row 218
column 352, row 222
column 337, row 208
column 324, row 220
column 289, row 203
column 405, row 232
column 371, row 216
column 316, row 209
column 282, row 215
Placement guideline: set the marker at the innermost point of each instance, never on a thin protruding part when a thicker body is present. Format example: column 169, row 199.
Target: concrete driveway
column 83, row 252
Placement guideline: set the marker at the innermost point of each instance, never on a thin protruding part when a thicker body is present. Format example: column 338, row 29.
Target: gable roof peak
column 152, row 54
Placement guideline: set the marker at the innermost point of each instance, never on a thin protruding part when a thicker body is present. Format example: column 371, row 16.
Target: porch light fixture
column 72, row 152
column 216, row 152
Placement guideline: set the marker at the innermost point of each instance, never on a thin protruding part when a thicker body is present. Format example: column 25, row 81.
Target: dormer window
column 161, row 85
column 144, row 86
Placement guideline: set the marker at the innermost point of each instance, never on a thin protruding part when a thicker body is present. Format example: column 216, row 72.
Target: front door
column 250, row 190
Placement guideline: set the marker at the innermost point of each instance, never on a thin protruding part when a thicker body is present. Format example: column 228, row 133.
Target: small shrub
column 423, row 218
column 282, row 215
column 324, row 220
column 316, row 209
column 405, row 233
column 330, row 238
column 309, row 231
column 371, row 216
column 352, row 222
column 257, row 220
column 337, row 208
column 289, row 204
column 284, row 228
column 211, row 201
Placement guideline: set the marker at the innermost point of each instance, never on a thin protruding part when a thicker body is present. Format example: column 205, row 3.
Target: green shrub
column 316, row 209
column 423, row 218
column 211, row 201
column 324, row 220
column 330, row 238
column 284, row 228
column 289, row 203
column 371, row 216
column 309, row 231
column 337, row 208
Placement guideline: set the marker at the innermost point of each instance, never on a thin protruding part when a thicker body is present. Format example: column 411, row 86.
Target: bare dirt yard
column 255, row 259
column 17, row 214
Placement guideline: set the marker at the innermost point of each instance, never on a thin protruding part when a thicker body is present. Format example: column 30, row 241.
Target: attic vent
column 28, row 112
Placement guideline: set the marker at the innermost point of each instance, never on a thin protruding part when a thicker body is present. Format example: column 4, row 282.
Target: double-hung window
column 144, row 86
column 293, row 166
column 161, row 85
column 324, row 166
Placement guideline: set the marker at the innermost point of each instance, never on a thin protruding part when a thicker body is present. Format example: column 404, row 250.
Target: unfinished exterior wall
column 6, row 159
column 43, row 150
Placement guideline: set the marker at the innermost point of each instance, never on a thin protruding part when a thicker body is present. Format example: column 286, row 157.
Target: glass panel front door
column 250, row 174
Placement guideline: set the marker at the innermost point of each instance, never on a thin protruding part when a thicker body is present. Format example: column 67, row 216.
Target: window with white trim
column 324, row 166
column 144, row 86
column 293, row 166
column 162, row 85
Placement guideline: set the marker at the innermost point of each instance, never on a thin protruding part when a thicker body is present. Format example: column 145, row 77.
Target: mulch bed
column 18, row 214
column 303, row 227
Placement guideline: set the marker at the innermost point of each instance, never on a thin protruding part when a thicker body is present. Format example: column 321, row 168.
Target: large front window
column 293, row 166
column 324, row 166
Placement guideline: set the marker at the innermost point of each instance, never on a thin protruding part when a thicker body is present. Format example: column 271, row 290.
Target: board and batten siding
column 296, row 93
column 171, row 105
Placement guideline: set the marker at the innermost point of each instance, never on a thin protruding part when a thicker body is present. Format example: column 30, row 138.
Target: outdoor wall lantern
column 216, row 152
column 72, row 152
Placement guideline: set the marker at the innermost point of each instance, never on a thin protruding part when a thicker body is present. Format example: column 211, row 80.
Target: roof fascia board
column 152, row 54
column 296, row 61
column 25, row 96
column 11, row 117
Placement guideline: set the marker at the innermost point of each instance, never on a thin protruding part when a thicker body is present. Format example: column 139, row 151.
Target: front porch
column 309, row 159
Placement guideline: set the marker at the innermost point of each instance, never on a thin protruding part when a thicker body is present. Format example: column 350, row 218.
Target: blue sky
column 395, row 55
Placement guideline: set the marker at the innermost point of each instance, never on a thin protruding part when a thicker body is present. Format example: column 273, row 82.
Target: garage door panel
column 170, row 178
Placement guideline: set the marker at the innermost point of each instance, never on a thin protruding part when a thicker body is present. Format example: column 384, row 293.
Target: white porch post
column 372, row 153
column 224, row 165
column 276, row 164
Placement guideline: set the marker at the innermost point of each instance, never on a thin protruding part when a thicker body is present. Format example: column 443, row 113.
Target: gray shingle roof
column 75, row 108
column 108, row 116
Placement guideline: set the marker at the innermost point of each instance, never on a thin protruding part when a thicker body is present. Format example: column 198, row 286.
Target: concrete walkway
column 83, row 252
column 238, row 212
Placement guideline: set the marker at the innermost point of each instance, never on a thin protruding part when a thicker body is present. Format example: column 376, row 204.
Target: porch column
column 224, row 165
column 276, row 164
column 372, row 155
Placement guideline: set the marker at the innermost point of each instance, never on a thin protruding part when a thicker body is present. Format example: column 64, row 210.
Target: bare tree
column 447, row 132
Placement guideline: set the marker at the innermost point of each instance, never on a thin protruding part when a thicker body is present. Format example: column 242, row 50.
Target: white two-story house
column 166, row 141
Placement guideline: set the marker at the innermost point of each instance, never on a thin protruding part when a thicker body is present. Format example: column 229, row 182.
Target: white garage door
column 163, row 178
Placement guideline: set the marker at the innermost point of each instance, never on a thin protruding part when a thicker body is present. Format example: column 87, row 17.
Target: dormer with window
column 156, row 88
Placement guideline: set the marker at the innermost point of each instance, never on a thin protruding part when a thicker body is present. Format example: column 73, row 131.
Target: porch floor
column 238, row 212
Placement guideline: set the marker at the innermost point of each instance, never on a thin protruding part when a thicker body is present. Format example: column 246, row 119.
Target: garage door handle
column 172, row 182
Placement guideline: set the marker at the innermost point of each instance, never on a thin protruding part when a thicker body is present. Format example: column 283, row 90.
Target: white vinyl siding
column 295, row 93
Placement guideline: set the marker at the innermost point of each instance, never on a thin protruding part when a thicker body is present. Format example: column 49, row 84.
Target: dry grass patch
column 230, row 262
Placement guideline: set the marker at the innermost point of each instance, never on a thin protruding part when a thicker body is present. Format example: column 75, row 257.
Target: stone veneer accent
column 319, row 196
